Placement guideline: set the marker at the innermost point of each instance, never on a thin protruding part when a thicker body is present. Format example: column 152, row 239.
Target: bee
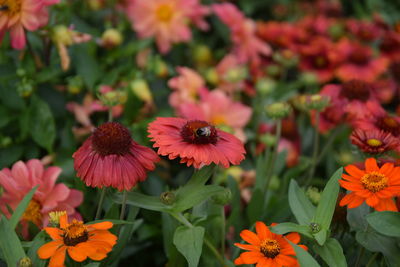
column 3, row 7
column 204, row 131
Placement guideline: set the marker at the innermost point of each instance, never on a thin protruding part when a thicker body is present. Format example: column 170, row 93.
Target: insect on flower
column 3, row 7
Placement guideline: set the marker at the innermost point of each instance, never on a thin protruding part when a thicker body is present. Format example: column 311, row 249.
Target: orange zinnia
column 268, row 249
column 80, row 240
column 376, row 186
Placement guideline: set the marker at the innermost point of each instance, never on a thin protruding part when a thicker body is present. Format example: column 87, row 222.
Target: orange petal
column 387, row 168
column 386, row 204
column 351, row 186
column 239, row 261
column 370, row 165
column 58, row 258
column 250, row 237
column 354, row 171
column 77, row 254
column 262, row 231
column 251, row 257
column 356, row 202
column 294, row 237
column 101, row 225
column 98, row 256
column 284, row 260
column 372, row 201
column 48, row 249
column 54, row 233
column 247, row 247
column 350, row 178
column 64, row 221
column 264, row 262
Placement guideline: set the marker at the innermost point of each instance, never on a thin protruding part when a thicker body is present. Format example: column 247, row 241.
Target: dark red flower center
column 320, row 61
column 395, row 70
column 359, row 56
column 389, row 44
column 199, row 132
column 356, row 90
column 389, row 124
column 111, row 138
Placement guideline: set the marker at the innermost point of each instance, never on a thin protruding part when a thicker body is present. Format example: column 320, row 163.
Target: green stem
column 372, row 259
column 123, row 206
column 110, row 115
column 360, row 254
column 271, row 165
column 328, row 143
column 223, row 225
column 315, row 151
column 100, row 205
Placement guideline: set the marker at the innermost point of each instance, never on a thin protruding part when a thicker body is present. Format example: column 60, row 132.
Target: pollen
column 75, row 233
column 374, row 142
column 270, row 248
column 111, row 138
column 11, row 7
column 374, row 181
column 32, row 212
column 164, row 13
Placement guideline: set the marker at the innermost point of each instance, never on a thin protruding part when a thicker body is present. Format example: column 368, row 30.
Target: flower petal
column 48, row 249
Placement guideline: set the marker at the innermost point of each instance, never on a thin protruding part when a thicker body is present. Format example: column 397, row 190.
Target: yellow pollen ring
column 32, row 212
column 270, row 248
column 374, row 142
column 11, row 7
column 164, row 13
column 374, row 181
column 75, row 230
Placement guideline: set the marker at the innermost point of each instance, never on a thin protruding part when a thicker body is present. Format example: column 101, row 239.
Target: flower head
column 110, row 157
column 375, row 185
column 196, row 142
column 374, row 141
column 82, row 241
column 49, row 196
column 267, row 248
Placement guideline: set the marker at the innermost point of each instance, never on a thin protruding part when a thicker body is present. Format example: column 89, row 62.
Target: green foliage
column 189, row 242
column 385, row 222
column 10, row 243
column 19, row 211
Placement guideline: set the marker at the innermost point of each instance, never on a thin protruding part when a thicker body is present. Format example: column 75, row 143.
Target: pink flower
column 218, row 109
column 49, row 196
column 166, row 20
column 187, row 86
column 247, row 46
column 196, row 142
column 197, row 12
column 110, row 157
column 231, row 74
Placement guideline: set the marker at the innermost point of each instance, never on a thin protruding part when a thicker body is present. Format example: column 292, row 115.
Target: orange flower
column 376, row 186
column 80, row 240
column 268, row 249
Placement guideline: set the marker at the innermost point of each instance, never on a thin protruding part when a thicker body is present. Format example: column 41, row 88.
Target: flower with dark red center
column 390, row 45
column 110, row 157
column 196, row 142
column 374, row 141
column 358, row 62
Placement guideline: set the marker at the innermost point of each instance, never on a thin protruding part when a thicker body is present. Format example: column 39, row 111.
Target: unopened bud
column 315, row 227
column 142, row 90
column 168, row 198
column 265, row 86
column 61, row 34
column 268, row 139
column 223, row 197
column 212, row 76
column 111, row 38
column 75, row 85
column 278, row 110
column 235, row 171
column 25, row 262
column 161, row 68
column 236, row 74
column 317, row 102
column 309, row 78
column 202, row 54
column 314, row 195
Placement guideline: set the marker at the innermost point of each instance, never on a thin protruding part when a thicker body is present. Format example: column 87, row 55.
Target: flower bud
column 223, row 197
column 75, row 85
column 202, row 54
column 315, row 227
column 25, row 262
column 313, row 194
column 168, row 197
column 96, row 4
column 235, row 171
column 235, row 75
column 309, row 78
column 111, row 38
column 274, row 70
column 61, row 34
column 317, row 102
column 141, row 89
column 25, row 88
column 265, row 86
column 212, row 76
column 268, row 139
column 278, row 110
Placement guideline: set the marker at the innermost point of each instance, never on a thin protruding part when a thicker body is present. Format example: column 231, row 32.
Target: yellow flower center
column 32, row 212
column 11, row 7
column 374, row 142
column 374, row 181
column 270, row 248
column 218, row 120
column 164, row 13
column 75, row 233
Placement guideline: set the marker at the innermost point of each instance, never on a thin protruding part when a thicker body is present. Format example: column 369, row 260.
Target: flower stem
column 100, row 205
column 123, row 206
column 315, row 150
column 223, row 225
column 271, row 165
column 372, row 259
column 360, row 254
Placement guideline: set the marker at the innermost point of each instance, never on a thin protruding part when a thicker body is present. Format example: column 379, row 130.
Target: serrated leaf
column 41, row 123
column 19, row 211
column 332, row 253
column 189, row 242
column 304, row 258
column 284, row 228
column 301, row 207
column 10, row 243
column 385, row 222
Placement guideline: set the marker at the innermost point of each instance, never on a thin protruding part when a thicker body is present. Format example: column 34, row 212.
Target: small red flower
column 110, row 157
column 374, row 141
column 196, row 142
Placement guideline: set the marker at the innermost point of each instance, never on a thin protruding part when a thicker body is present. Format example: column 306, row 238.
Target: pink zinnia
column 247, row 45
column 166, row 20
column 196, row 142
column 109, row 157
column 48, row 197
column 220, row 110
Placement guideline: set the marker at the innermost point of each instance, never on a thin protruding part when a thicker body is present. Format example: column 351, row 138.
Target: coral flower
column 196, row 142
column 82, row 241
column 16, row 16
column 376, row 186
column 109, row 157
column 268, row 249
column 166, row 20
column 49, row 196
column 374, row 141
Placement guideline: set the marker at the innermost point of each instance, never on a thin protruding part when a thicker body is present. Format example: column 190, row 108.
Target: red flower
column 390, row 45
column 195, row 142
column 374, row 141
column 364, row 30
column 109, row 157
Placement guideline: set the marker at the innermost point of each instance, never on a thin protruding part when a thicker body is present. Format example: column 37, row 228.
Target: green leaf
column 10, row 243
column 300, row 205
column 357, row 217
column 332, row 253
column 194, row 196
column 189, row 242
column 256, row 206
column 385, row 222
column 304, row 258
column 19, row 211
column 284, row 228
column 38, row 241
column 200, row 177
column 326, row 207
column 86, row 65
column 41, row 123
column 321, row 236
column 142, row 201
